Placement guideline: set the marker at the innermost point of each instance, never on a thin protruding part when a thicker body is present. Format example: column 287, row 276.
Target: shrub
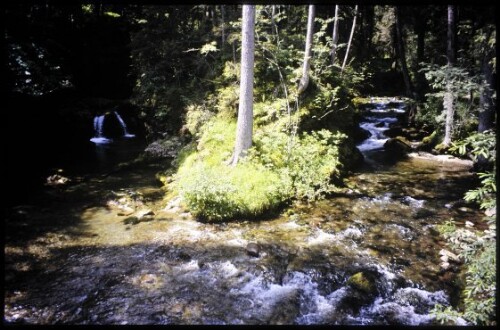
column 310, row 161
column 478, row 249
column 277, row 168
column 223, row 192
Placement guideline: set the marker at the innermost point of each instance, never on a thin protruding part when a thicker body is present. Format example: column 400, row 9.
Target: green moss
column 361, row 282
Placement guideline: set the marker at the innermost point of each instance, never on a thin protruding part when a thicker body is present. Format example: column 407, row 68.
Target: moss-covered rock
column 429, row 142
column 398, row 147
column 362, row 282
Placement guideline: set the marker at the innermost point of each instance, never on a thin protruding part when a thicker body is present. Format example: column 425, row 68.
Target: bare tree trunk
column 401, row 52
column 304, row 81
column 223, row 25
column 486, row 115
column 448, row 101
column 350, row 38
column 419, row 76
column 244, row 129
column 335, row 35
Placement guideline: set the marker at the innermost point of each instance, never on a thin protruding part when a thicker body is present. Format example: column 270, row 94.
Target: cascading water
column 99, row 137
column 124, row 126
column 376, row 123
column 98, row 130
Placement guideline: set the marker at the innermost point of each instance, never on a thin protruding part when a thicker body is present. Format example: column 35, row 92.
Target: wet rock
column 185, row 215
column 447, row 255
column 184, row 256
column 422, row 301
column 422, row 213
column 287, row 310
column 131, row 220
column 397, row 147
column 469, row 224
column 362, row 282
column 57, row 180
column 145, row 213
column 490, row 212
column 173, row 205
column 393, row 132
column 401, row 261
column 253, row 249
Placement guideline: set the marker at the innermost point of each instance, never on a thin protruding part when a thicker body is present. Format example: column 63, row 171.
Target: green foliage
column 283, row 163
column 465, row 89
column 481, row 145
column 215, row 191
column 446, row 315
column 196, row 116
column 309, row 161
column 276, row 169
column 478, row 249
column 224, row 192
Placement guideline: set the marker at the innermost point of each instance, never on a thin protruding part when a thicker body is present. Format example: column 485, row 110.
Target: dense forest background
column 174, row 73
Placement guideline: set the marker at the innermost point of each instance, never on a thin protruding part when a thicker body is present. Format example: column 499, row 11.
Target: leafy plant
column 477, row 249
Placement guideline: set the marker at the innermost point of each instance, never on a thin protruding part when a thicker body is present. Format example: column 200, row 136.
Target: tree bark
column 419, row 76
column 350, row 38
column 335, row 35
column 448, row 99
column 370, row 13
column 486, row 115
column 244, row 128
column 304, row 81
column 223, row 25
column 401, row 53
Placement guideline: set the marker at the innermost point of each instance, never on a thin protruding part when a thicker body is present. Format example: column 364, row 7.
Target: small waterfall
column 124, row 126
column 99, row 137
column 98, row 131
column 377, row 123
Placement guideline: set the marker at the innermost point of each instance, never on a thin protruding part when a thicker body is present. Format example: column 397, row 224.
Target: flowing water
column 108, row 251
column 99, row 138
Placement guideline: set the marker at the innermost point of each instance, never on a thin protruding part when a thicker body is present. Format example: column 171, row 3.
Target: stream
column 371, row 256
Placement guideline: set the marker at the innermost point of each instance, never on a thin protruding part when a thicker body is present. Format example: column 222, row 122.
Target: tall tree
column 420, row 28
column 335, row 35
column 304, row 81
column 223, row 24
column 401, row 52
column 486, row 115
column 244, row 128
column 448, row 100
column 350, row 37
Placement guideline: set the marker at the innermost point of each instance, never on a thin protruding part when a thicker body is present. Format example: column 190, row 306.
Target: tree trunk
column 486, row 115
column 419, row 76
column 223, row 25
column 350, row 38
column 370, row 13
column 401, row 52
column 335, row 35
column 304, row 81
column 448, row 101
column 244, row 129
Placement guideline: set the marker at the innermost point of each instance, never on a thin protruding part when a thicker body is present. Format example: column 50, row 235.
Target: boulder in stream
column 397, row 147
column 253, row 249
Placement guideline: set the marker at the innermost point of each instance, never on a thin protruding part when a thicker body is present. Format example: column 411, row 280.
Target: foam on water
column 101, row 140
column 321, row 237
column 416, row 203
